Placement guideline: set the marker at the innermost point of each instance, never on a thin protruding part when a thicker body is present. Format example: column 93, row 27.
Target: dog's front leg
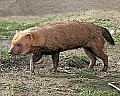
column 34, row 58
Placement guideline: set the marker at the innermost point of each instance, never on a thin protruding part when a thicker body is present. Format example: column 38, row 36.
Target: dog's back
column 70, row 35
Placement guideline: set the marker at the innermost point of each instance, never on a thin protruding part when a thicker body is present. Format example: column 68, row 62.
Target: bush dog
column 57, row 37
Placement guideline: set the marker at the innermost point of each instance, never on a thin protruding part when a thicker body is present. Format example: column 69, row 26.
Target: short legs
column 34, row 58
column 91, row 57
column 55, row 58
column 93, row 53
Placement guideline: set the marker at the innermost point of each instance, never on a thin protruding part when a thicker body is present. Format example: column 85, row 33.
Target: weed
column 85, row 73
column 92, row 92
column 23, row 26
column 117, row 36
column 5, row 33
column 6, row 26
column 12, row 89
column 108, row 23
column 115, row 75
column 4, row 52
column 80, row 56
column 49, row 18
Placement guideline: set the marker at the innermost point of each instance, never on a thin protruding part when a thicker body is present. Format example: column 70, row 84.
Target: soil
column 15, row 79
column 43, row 7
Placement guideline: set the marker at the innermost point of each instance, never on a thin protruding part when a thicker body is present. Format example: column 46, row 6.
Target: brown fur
column 54, row 38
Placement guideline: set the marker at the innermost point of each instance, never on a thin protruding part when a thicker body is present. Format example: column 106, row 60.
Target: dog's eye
column 18, row 45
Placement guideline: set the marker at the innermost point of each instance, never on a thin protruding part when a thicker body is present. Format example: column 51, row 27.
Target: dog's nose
column 9, row 52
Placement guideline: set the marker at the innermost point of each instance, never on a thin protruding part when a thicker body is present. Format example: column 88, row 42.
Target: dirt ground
column 15, row 79
column 43, row 7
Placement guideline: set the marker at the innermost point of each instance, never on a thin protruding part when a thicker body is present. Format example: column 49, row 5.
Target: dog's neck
column 35, row 49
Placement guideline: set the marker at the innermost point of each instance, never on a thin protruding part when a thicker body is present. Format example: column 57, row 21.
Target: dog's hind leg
column 100, row 54
column 91, row 57
column 96, row 48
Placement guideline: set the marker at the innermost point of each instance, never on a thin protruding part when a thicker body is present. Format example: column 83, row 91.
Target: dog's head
column 21, row 43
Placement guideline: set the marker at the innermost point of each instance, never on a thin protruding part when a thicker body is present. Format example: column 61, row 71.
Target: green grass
column 90, row 90
column 5, row 33
column 90, row 86
column 93, row 92
column 7, row 26
column 81, row 57
column 4, row 53
column 115, row 75
column 84, row 73
column 117, row 36
column 108, row 23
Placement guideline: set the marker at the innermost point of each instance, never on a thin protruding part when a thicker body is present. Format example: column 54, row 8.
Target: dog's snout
column 9, row 52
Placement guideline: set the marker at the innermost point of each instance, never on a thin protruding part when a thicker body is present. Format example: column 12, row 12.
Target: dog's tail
column 108, row 36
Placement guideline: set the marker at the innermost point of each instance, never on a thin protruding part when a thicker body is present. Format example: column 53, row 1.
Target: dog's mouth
column 14, row 53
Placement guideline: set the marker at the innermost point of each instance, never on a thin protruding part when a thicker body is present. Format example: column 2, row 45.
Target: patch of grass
column 5, row 33
column 89, row 88
column 115, row 75
column 7, row 26
column 78, row 61
column 117, row 36
column 108, row 23
column 4, row 52
column 80, row 56
column 11, row 26
column 49, row 18
column 85, row 73
column 22, row 26
column 92, row 92
column 12, row 88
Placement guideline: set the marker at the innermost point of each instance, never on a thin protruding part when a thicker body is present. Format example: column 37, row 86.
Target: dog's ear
column 16, row 31
column 28, row 36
